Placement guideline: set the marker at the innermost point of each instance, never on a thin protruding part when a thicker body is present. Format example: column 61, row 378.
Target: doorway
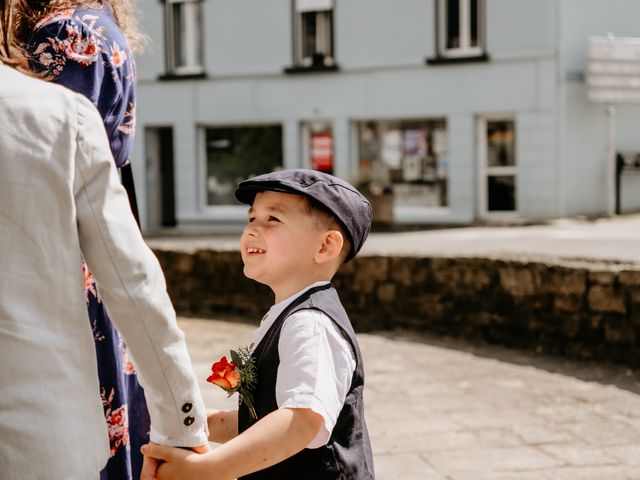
column 498, row 167
column 161, row 211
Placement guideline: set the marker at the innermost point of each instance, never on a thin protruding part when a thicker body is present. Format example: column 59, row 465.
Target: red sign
column 322, row 152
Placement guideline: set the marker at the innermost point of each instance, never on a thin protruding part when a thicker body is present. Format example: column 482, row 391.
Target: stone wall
column 579, row 309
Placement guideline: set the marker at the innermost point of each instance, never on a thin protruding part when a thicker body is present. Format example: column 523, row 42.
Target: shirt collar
column 275, row 311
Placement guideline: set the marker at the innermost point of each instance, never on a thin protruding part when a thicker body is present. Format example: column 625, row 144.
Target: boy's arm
column 274, row 438
column 223, row 425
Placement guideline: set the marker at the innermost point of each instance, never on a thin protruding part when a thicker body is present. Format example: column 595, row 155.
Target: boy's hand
column 180, row 461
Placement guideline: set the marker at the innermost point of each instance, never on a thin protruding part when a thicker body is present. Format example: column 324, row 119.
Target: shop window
column 405, row 157
column 460, row 31
column 183, row 37
column 313, row 32
column 234, row 154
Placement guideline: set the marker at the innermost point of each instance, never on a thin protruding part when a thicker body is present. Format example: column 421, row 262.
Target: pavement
column 615, row 239
column 441, row 408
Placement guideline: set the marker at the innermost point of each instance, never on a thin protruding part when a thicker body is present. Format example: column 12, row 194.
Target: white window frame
column 317, row 6
column 484, row 170
column 192, row 39
column 465, row 49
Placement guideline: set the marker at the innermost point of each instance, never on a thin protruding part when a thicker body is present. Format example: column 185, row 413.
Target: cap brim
column 246, row 192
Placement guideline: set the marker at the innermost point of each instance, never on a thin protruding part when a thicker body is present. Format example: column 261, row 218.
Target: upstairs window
column 183, row 24
column 313, row 47
column 460, row 28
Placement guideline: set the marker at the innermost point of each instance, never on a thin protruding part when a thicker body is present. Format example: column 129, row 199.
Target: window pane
column 501, row 144
column 237, row 153
column 185, row 40
column 316, row 38
column 452, row 15
column 178, row 34
column 474, row 22
column 408, row 157
column 501, row 190
column 308, row 34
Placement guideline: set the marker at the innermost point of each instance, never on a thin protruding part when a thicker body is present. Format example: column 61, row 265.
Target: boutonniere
column 237, row 375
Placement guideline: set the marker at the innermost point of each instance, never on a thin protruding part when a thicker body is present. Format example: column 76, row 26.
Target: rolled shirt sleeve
column 316, row 368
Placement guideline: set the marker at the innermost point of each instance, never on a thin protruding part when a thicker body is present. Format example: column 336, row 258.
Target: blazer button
column 186, row 408
column 189, row 421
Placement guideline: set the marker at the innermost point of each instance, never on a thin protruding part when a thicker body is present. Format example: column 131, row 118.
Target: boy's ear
column 332, row 242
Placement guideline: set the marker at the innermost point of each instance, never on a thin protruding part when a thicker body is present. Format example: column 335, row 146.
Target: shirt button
column 186, row 408
column 189, row 421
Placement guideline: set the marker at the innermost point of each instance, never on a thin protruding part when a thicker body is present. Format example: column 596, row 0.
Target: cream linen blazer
column 60, row 200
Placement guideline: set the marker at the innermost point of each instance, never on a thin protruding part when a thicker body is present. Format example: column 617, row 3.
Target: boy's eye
column 273, row 219
column 251, row 219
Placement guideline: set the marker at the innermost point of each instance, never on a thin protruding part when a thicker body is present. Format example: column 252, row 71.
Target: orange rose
column 224, row 374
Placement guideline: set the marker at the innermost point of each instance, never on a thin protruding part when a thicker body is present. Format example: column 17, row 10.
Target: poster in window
column 392, row 148
column 415, row 142
column 322, row 151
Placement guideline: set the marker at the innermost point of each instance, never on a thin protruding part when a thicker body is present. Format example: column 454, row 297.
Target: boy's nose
column 250, row 230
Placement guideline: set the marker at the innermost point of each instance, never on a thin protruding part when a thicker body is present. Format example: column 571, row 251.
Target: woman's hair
column 124, row 12
column 11, row 52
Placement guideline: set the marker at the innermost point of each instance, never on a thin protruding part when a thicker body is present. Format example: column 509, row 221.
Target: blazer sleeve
column 133, row 289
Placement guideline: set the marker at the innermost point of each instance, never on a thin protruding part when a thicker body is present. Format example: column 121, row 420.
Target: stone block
column 363, row 284
column 478, row 276
column 408, row 271
column 386, row 292
column 517, row 281
column 606, row 299
column 602, row 277
column 567, row 303
column 571, row 326
column 376, row 268
column 634, row 298
column 629, row 277
column 445, row 272
column 619, row 330
column 566, row 281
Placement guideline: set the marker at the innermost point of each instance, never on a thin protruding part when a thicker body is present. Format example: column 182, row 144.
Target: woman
column 86, row 47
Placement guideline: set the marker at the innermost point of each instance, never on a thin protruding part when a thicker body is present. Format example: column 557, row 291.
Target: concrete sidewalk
column 616, row 238
column 444, row 409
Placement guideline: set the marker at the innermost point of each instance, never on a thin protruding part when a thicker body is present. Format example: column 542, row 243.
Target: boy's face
column 279, row 243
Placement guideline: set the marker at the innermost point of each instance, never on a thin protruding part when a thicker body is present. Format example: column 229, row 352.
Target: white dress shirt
column 316, row 363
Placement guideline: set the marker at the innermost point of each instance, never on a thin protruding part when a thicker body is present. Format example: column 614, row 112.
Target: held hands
column 166, row 463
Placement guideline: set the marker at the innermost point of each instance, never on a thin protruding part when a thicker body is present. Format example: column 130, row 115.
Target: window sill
column 182, row 76
column 439, row 60
column 295, row 69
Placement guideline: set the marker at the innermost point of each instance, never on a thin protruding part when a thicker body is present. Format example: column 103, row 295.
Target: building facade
column 446, row 111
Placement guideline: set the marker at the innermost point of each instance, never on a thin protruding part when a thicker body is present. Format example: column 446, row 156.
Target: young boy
column 302, row 226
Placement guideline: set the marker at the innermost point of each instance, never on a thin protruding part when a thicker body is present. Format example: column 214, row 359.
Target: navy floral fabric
column 83, row 49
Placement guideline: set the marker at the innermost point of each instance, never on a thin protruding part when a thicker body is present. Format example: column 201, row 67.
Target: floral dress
column 84, row 50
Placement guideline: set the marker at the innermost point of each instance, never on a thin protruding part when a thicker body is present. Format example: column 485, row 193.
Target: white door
column 498, row 167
